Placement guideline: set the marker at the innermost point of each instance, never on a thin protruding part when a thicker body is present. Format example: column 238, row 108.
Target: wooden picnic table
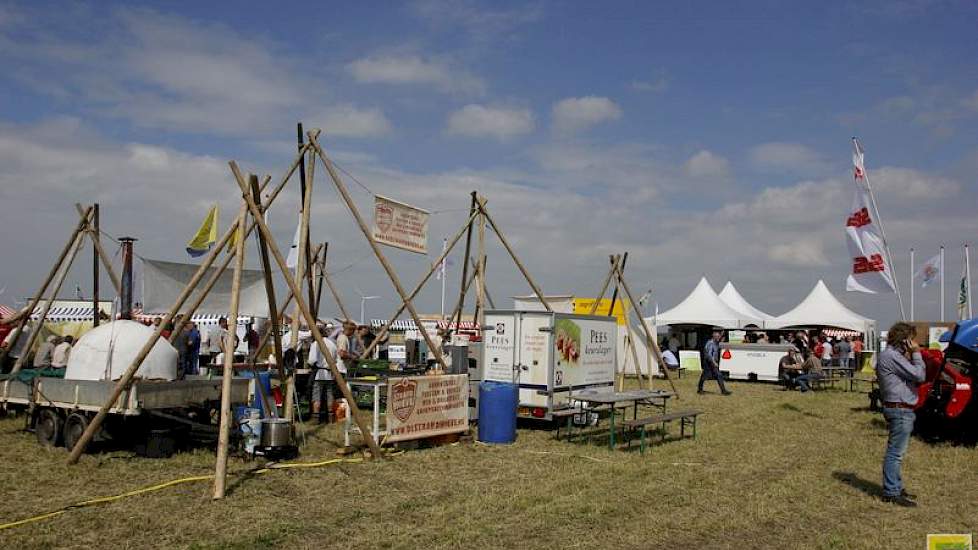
column 614, row 398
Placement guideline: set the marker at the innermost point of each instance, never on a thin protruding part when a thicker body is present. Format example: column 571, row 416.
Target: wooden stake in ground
column 26, row 313
column 307, row 314
column 391, row 274
column 224, row 436
column 127, row 377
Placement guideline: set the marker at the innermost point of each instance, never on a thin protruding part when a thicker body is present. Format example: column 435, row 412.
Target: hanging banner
column 163, row 282
column 870, row 272
column 400, row 225
column 425, row 406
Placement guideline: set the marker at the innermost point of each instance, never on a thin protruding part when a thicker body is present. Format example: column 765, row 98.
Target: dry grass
column 769, row 469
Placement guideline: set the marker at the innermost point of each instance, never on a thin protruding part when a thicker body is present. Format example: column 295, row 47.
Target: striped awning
column 464, row 325
column 64, row 314
column 409, row 324
column 200, row 319
column 840, row 333
column 7, row 311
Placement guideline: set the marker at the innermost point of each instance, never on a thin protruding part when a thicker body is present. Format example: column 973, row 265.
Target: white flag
column 929, row 272
column 870, row 272
column 293, row 259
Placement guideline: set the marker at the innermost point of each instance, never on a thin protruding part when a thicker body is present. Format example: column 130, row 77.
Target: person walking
column 711, row 364
column 899, row 371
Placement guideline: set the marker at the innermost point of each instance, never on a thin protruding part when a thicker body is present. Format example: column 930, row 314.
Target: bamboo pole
column 269, row 288
column 320, row 341
column 604, row 288
column 25, row 314
column 436, row 350
column 424, row 280
column 66, row 267
column 649, row 337
column 224, row 436
column 526, row 275
column 126, row 380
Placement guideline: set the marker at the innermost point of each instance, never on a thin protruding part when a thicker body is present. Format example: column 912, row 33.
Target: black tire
column 48, row 428
column 75, row 426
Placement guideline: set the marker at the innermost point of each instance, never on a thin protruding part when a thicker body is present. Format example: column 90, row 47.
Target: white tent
column 735, row 300
column 704, row 307
column 822, row 309
column 105, row 352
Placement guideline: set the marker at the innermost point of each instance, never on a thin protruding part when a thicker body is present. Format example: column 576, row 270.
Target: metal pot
column 276, row 432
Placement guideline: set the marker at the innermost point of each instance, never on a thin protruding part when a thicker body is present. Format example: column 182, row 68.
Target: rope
column 171, row 483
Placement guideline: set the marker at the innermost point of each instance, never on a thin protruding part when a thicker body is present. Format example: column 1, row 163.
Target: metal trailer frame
column 552, row 387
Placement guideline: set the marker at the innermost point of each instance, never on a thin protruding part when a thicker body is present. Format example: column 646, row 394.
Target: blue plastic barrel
column 497, row 411
column 265, row 379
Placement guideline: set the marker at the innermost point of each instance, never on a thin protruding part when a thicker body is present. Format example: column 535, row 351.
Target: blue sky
column 704, row 137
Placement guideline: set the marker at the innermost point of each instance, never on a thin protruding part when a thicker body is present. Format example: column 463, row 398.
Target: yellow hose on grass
column 171, row 483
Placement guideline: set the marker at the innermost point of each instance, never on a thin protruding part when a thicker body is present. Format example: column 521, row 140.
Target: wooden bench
column 560, row 414
column 684, row 417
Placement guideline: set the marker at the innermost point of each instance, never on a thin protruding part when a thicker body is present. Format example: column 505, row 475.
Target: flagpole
column 444, row 246
column 943, row 316
column 912, row 317
column 886, row 245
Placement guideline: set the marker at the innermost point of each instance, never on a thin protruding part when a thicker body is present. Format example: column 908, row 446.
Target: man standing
column 711, row 364
column 843, row 349
column 193, row 347
column 344, row 347
column 322, row 380
column 899, row 371
column 215, row 339
column 59, row 357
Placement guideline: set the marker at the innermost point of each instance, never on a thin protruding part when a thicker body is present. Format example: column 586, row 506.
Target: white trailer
column 548, row 355
column 752, row 361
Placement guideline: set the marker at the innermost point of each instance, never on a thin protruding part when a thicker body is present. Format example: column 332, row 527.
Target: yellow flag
column 206, row 236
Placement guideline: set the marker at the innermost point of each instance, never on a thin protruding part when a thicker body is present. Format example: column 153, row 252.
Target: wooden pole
column 224, row 436
column 95, row 261
column 492, row 304
column 424, row 280
column 213, row 279
column 614, row 296
column 96, row 236
column 526, row 275
column 26, row 313
column 480, row 289
column 436, row 350
column 649, row 337
column 336, row 295
column 307, row 250
column 299, row 279
column 457, row 312
column 307, row 314
column 269, row 288
column 634, row 353
column 126, row 380
column 320, row 269
column 604, row 288
column 66, row 267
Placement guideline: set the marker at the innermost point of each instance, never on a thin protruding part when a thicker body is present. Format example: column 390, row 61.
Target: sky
column 703, row 138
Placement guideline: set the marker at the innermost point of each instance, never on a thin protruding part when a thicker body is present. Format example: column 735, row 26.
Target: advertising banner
column 400, row 225
column 582, row 306
column 425, row 406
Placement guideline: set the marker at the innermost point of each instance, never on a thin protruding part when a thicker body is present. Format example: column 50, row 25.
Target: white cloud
column 350, row 121
column 413, row 69
column 501, row 123
column 786, row 157
column 804, row 253
column 707, row 165
column 576, row 114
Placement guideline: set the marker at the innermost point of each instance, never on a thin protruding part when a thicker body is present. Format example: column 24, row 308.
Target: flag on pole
column 929, row 272
column 858, row 161
column 870, row 271
column 206, row 236
column 293, row 259
column 963, row 296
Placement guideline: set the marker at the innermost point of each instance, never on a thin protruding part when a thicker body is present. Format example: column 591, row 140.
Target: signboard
column 690, row 360
column 499, row 347
column 400, row 225
column 934, row 337
column 396, row 353
column 582, row 306
column 425, row 406
column 585, row 350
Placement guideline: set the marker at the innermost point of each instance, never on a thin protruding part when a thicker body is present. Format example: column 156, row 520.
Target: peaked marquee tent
column 732, row 297
column 704, row 307
column 822, row 309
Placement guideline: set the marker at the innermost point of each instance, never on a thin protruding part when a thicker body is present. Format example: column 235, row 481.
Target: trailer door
column 533, row 359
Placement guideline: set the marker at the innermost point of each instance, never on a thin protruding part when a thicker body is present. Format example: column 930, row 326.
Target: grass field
column 768, row 469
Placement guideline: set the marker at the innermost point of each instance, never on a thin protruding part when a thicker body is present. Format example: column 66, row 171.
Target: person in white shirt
column 215, row 340
column 827, row 352
column 323, row 379
column 673, row 344
column 42, row 358
column 344, row 347
column 59, row 357
column 669, row 358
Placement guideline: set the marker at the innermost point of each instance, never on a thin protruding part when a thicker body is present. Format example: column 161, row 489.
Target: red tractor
column 948, row 405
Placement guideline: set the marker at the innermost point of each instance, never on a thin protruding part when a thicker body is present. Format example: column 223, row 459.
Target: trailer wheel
column 75, row 426
column 47, row 428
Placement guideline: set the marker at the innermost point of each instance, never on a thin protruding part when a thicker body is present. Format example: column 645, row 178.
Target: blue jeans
column 899, row 423
column 804, row 381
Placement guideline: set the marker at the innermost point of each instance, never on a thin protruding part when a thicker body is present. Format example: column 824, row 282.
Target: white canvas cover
column 105, row 352
column 822, row 308
column 732, row 297
column 704, row 307
column 164, row 281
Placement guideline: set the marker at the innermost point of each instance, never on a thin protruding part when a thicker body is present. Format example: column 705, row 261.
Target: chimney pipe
column 126, row 298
